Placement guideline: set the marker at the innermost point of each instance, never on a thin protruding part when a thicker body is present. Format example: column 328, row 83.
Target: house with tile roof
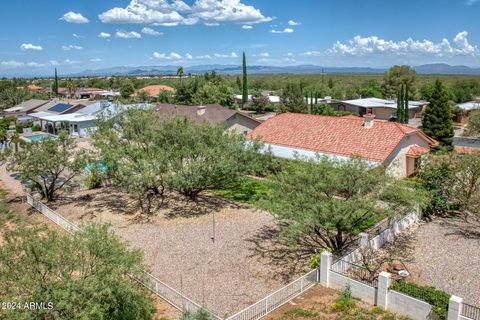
column 396, row 146
column 213, row 113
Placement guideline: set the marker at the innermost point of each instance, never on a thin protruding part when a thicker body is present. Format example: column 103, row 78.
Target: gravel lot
column 447, row 253
column 242, row 265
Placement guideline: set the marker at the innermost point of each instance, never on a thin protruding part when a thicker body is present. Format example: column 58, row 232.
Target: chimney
column 200, row 110
column 369, row 117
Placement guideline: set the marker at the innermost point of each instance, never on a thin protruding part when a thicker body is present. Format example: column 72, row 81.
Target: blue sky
column 75, row 35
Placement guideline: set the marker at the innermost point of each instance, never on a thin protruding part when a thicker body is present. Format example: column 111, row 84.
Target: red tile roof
column 345, row 136
column 416, row 151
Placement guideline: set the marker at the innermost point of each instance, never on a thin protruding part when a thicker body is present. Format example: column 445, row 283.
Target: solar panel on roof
column 61, row 107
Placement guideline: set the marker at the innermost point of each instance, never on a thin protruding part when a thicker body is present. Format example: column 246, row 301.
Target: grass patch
column 299, row 313
column 246, row 190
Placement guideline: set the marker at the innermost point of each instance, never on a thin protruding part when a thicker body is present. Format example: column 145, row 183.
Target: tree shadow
column 465, row 226
column 176, row 205
column 288, row 260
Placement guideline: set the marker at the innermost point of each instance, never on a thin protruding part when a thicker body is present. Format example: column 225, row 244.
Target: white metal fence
column 278, row 298
column 167, row 293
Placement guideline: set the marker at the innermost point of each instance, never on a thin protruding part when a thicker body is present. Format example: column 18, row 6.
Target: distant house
column 154, row 90
column 83, row 121
column 381, row 108
column 273, row 99
column 467, row 107
column 213, row 113
column 395, row 146
column 25, row 107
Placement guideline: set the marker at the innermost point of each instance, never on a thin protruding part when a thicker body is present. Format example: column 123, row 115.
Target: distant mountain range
column 438, row 68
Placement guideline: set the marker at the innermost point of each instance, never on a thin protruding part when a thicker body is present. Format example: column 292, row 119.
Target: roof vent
column 369, row 117
column 200, row 110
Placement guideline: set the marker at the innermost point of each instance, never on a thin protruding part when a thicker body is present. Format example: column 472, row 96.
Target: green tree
column 127, row 88
column 129, row 146
column 396, row 76
column 473, row 126
column 292, row 99
column 324, row 203
column 406, row 112
column 47, row 166
column 202, row 156
column 259, row 102
column 245, row 81
column 400, row 105
column 180, row 72
column 81, row 275
column 437, row 119
column 166, row 97
column 55, row 84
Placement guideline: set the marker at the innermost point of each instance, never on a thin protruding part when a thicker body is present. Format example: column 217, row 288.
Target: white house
column 395, row 146
column 381, row 108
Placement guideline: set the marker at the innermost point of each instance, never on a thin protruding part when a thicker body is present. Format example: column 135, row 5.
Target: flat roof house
column 25, row 107
column 381, row 108
column 395, row 146
column 213, row 113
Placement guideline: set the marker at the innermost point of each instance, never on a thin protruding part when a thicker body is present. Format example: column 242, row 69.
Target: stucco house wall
column 396, row 163
column 241, row 124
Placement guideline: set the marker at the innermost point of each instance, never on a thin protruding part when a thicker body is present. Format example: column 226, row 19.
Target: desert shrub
column 201, row 314
column 438, row 299
column 300, row 313
column 345, row 301
column 36, row 127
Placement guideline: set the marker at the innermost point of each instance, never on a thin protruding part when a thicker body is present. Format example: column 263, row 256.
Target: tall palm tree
column 180, row 72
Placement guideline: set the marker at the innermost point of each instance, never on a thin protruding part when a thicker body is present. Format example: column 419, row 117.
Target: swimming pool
column 39, row 137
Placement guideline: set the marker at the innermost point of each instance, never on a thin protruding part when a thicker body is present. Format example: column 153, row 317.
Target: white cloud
column 188, row 56
column 104, row 35
column 175, row 12
column 203, row 57
column 247, row 27
column 263, row 54
column 151, row 32
column 231, row 55
column 127, row 34
column 29, row 46
column 72, row 17
column 54, row 62
column 71, row 47
column 293, row 23
column 77, row 35
column 471, row 2
column 68, row 61
column 374, row 45
column 18, row 64
column 311, row 53
column 165, row 56
column 96, row 60
column 289, row 60
column 286, row 30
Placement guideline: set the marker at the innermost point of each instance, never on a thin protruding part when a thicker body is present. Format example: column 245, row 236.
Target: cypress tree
column 399, row 105
column 55, row 84
column 244, row 82
column 437, row 121
column 406, row 115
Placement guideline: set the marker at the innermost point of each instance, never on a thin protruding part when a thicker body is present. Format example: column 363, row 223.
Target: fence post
column 384, row 282
column 454, row 308
column 325, row 265
column 363, row 239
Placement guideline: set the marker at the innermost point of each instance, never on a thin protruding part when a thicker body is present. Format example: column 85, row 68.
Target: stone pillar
column 384, row 282
column 325, row 265
column 363, row 240
column 454, row 308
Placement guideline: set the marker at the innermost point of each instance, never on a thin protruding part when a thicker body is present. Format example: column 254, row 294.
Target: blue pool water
column 40, row 137
column 99, row 165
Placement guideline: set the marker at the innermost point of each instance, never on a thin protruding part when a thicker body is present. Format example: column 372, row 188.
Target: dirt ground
column 242, row 264
column 25, row 215
column 446, row 251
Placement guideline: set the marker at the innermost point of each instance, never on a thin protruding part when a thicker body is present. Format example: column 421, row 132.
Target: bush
column 36, row 127
column 438, row 299
column 94, row 180
column 345, row 301
column 201, row 314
